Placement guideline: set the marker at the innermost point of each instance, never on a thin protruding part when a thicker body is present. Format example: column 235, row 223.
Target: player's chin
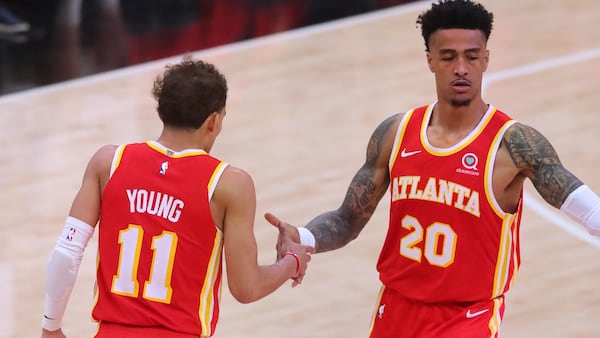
column 460, row 102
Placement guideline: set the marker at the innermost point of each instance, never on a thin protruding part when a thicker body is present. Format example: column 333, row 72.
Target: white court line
column 541, row 66
column 541, row 208
column 6, row 291
column 559, row 219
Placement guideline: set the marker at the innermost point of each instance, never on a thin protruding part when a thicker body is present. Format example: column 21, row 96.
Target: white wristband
column 583, row 205
column 306, row 237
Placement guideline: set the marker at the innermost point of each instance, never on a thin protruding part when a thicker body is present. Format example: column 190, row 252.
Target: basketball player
column 455, row 170
column 166, row 209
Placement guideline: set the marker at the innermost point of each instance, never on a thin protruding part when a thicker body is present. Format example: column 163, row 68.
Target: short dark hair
column 446, row 14
column 188, row 92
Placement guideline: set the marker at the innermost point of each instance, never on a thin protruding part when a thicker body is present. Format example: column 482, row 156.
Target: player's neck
column 182, row 139
column 457, row 118
column 449, row 124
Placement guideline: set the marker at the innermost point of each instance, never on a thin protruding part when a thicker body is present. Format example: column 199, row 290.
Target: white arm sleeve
column 583, row 206
column 62, row 270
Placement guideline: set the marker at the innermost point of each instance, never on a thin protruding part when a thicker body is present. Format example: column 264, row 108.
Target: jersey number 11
column 158, row 287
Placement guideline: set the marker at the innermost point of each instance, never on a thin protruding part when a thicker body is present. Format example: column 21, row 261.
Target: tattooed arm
column 535, row 158
column 336, row 228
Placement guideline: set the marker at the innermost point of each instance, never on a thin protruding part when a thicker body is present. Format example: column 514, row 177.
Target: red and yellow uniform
column 159, row 250
column 451, row 252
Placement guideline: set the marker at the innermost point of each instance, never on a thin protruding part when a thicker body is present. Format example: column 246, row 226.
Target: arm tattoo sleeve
column 533, row 154
column 336, row 228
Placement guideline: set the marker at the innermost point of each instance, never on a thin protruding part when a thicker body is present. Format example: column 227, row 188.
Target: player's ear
column 428, row 56
column 212, row 121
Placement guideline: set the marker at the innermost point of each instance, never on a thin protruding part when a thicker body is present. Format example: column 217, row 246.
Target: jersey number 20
column 439, row 243
column 158, row 287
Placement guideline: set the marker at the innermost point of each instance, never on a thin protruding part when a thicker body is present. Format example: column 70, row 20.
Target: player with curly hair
column 455, row 171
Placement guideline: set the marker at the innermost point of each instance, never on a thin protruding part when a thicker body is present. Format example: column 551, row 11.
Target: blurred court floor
column 44, row 42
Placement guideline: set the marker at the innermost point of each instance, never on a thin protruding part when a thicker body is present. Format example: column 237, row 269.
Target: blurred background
column 49, row 41
column 303, row 105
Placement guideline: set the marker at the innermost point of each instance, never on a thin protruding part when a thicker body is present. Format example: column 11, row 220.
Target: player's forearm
column 63, row 266
column 583, row 205
column 332, row 231
column 52, row 334
column 335, row 229
column 265, row 281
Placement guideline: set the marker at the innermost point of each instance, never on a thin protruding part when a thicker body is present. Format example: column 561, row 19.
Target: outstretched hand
column 289, row 240
column 288, row 234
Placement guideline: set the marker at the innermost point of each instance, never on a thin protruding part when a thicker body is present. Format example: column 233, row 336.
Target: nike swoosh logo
column 48, row 317
column 405, row 153
column 475, row 314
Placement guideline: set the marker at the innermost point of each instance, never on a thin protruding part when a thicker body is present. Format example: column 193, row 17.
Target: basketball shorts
column 398, row 317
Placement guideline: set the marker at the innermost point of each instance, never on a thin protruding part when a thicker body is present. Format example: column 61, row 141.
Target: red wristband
column 291, row 253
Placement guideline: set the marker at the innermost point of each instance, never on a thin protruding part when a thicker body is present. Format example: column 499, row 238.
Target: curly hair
column 446, row 14
column 188, row 92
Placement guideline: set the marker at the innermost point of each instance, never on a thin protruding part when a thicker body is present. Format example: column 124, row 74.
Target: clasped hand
column 289, row 240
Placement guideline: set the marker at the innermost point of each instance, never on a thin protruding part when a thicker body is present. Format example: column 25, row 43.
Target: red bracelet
column 291, row 253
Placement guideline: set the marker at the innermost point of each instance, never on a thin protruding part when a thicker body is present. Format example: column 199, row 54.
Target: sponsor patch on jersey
column 469, row 165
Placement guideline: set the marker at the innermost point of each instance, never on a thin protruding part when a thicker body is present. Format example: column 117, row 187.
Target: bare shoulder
column 389, row 125
column 104, row 154
column 522, row 130
column 101, row 161
column 235, row 182
column 236, row 175
column 383, row 137
column 234, row 201
column 536, row 158
column 528, row 147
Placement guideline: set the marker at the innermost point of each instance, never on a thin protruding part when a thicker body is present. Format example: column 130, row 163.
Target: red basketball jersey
column 159, row 251
column 448, row 239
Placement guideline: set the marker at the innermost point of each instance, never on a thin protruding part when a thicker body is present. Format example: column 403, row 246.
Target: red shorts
column 398, row 317
column 110, row 330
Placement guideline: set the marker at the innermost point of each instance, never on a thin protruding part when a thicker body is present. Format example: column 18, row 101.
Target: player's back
column 159, row 251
